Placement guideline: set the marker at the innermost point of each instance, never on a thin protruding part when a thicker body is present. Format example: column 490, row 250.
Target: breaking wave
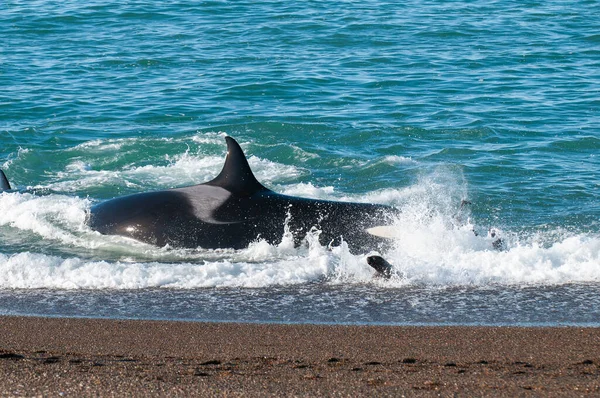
column 436, row 243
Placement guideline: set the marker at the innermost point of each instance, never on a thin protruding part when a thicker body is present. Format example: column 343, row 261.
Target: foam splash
column 433, row 255
column 54, row 217
column 431, row 249
column 46, row 243
column 32, row 271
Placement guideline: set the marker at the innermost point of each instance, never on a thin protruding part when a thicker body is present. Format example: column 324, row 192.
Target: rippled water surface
column 418, row 105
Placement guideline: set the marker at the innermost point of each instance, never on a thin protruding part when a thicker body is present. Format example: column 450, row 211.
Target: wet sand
column 83, row 357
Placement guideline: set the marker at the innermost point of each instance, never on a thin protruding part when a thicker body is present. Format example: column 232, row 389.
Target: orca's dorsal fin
column 236, row 176
column 4, row 185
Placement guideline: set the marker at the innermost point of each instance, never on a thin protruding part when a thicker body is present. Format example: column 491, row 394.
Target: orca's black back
column 4, row 184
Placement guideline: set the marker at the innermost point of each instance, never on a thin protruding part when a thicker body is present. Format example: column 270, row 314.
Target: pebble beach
column 75, row 357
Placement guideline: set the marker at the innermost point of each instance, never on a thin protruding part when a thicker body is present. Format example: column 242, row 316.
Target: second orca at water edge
column 234, row 210
column 4, row 185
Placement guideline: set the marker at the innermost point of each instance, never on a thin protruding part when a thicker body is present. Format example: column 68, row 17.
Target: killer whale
column 235, row 209
column 4, row 184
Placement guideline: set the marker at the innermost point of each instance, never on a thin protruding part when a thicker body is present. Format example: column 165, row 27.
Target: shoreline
column 539, row 325
column 75, row 356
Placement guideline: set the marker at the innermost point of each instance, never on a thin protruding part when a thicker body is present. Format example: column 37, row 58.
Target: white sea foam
column 431, row 248
column 53, row 217
column 435, row 255
column 215, row 138
column 395, row 160
column 109, row 145
column 308, row 190
column 30, row 271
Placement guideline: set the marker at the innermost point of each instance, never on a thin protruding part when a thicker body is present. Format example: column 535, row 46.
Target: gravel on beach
column 101, row 357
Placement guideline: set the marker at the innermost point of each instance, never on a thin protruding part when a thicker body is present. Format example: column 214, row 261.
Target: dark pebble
column 11, row 355
column 213, row 362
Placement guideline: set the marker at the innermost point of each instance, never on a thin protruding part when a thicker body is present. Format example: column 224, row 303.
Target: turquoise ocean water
column 418, row 105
